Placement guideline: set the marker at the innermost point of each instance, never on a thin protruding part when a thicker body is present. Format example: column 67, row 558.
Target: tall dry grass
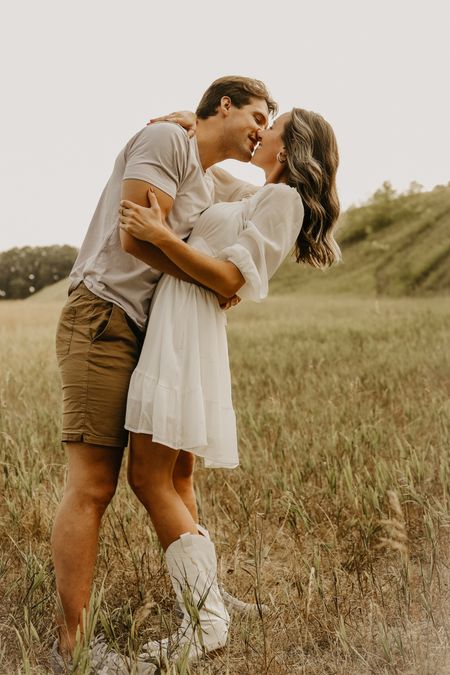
column 337, row 518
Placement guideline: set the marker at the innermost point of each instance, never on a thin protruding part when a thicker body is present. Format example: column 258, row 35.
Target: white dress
column 180, row 391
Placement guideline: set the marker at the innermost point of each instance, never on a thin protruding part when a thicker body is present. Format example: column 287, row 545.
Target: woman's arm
column 148, row 225
column 137, row 191
column 185, row 118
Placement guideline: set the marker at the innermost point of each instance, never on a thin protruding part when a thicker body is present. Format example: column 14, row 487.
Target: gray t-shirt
column 160, row 154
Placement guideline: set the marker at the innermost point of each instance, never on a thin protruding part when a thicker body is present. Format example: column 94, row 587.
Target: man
column 101, row 326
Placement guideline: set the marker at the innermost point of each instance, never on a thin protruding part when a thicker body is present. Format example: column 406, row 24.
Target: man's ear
column 225, row 105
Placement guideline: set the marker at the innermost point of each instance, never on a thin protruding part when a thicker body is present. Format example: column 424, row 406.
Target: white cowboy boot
column 192, row 565
column 231, row 603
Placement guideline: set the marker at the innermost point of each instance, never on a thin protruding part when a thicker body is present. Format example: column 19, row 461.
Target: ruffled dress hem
column 199, row 452
column 182, row 420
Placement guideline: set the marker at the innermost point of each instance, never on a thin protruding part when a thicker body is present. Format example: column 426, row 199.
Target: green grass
column 54, row 293
column 337, row 517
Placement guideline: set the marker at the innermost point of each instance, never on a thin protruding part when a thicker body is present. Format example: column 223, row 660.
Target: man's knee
column 92, row 496
column 93, row 474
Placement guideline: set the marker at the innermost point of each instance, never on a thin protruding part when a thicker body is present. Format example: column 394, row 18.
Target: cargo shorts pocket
column 64, row 330
column 101, row 321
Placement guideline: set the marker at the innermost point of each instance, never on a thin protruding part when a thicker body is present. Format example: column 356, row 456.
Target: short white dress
column 180, row 391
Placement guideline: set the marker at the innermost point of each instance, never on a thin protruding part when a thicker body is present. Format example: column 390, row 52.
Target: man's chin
column 246, row 156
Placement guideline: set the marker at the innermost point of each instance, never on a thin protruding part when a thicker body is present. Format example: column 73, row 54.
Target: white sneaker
column 103, row 661
column 106, row 661
column 58, row 663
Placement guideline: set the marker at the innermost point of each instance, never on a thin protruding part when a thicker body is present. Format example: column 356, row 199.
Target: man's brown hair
column 239, row 89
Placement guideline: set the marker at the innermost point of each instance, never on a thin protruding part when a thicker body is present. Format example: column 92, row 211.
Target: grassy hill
column 394, row 245
column 54, row 293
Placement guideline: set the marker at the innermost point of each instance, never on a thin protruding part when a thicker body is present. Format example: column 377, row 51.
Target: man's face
column 242, row 127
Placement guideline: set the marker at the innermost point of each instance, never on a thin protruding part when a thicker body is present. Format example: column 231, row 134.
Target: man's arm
column 137, row 191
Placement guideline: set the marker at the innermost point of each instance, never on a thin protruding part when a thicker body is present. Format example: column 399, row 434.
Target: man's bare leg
column 93, row 471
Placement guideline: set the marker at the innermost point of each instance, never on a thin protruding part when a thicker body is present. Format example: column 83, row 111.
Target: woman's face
column 271, row 143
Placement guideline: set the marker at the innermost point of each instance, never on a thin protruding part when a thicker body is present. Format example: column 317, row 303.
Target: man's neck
column 210, row 142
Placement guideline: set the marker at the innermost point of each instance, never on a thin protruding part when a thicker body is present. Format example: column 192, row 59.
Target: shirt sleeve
column 272, row 229
column 159, row 155
column 227, row 188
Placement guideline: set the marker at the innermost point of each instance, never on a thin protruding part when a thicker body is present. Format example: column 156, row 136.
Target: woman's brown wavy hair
column 312, row 162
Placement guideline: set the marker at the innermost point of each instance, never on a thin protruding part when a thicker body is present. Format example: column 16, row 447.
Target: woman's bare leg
column 191, row 559
column 150, row 474
column 183, row 481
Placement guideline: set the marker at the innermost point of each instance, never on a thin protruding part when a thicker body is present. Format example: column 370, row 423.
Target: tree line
column 25, row 270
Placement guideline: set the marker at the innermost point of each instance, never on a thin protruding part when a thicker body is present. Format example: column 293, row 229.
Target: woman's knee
column 150, row 467
column 183, row 472
column 151, row 492
column 184, row 485
column 145, row 483
column 137, row 482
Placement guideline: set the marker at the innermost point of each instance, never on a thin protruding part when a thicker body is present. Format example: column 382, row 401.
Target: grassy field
column 338, row 517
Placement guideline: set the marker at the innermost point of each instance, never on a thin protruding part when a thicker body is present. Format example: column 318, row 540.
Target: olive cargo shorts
column 97, row 348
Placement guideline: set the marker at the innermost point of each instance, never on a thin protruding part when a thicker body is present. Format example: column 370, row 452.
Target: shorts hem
column 72, row 437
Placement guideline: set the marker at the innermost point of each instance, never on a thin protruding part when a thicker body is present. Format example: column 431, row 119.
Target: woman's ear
column 282, row 157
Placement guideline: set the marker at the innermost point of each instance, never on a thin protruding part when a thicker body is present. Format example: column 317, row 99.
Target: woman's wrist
column 164, row 238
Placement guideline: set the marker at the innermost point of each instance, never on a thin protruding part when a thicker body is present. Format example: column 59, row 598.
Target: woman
column 180, row 393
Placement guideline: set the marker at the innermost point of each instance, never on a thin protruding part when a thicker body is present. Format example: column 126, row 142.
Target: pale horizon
column 81, row 80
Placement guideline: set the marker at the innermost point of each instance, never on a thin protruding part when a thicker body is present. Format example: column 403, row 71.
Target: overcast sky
column 80, row 78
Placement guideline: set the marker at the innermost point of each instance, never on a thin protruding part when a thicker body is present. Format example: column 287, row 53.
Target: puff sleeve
column 228, row 188
column 273, row 225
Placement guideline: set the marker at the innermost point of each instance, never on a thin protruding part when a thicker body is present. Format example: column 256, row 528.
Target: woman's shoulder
column 283, row 190
column 280, row 196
